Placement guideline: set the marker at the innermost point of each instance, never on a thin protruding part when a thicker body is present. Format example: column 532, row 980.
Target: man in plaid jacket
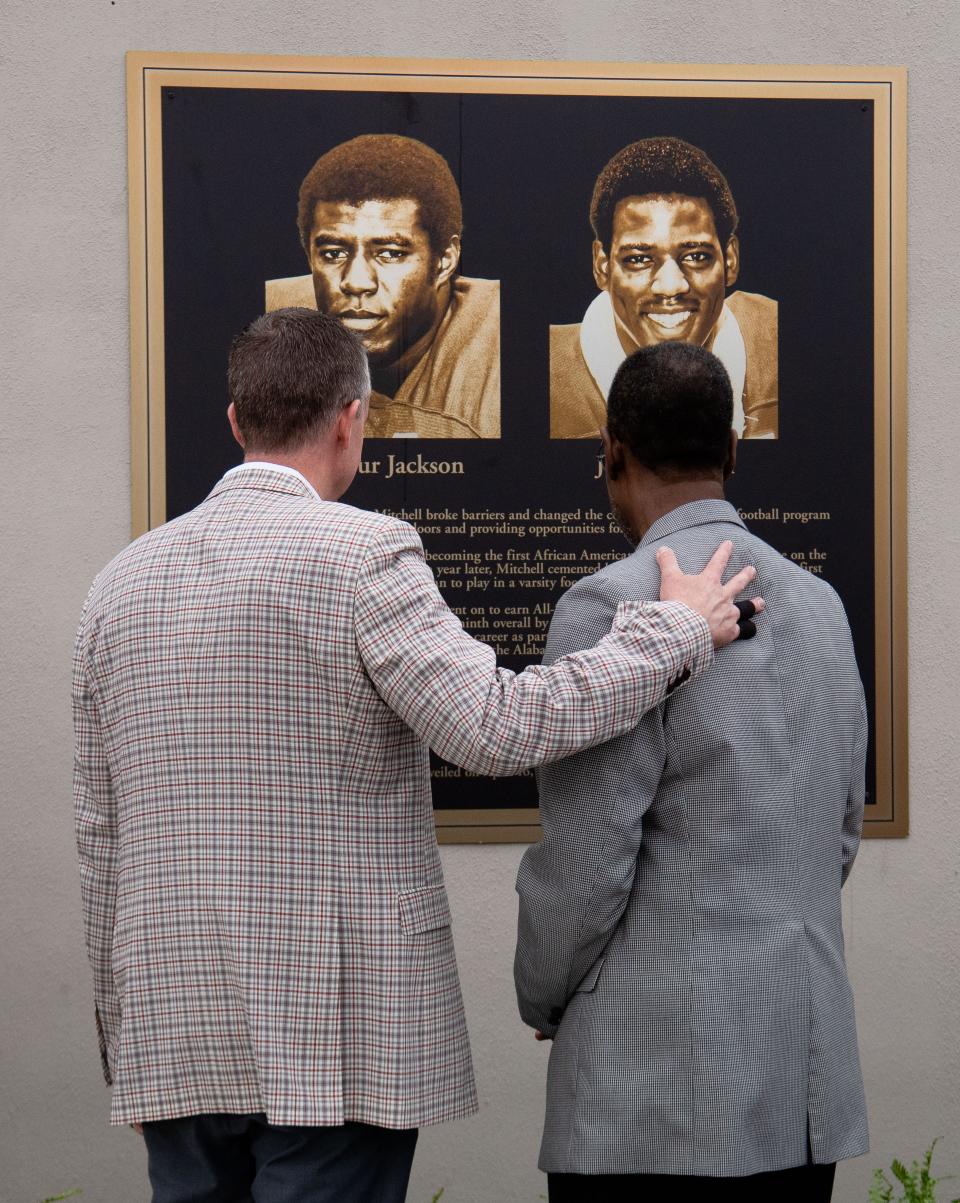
column 256, row 687
column 680, row 936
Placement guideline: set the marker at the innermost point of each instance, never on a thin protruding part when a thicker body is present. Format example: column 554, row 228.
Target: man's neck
column 660, row 497
column 311, row 467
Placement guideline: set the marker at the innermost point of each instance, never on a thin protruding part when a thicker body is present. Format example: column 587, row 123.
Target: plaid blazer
column 255, row 687
column 680, row 930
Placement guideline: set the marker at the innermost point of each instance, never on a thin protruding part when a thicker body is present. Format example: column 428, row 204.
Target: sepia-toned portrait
column 381, row 224
column 666, row 257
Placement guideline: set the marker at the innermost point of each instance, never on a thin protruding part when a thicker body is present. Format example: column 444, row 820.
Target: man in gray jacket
column 680, row 932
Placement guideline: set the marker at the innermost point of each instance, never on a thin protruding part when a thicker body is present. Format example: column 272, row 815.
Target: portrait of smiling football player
column 666, row 255
column 380, row 221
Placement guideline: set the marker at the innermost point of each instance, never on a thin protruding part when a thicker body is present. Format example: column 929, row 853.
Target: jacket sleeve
column 96, row 830
column 574, row 885
column 853, row 815
column 446, row 686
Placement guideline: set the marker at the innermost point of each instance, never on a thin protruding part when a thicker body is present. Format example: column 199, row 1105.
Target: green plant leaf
column 57, row 1198
column 881, row 1190
column 900, row 1171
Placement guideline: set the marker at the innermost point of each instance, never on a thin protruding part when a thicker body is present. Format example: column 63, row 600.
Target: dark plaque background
column 801, row 172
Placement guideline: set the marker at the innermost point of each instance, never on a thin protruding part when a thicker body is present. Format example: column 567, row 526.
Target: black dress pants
column 804, row 1184
column 243, row 1159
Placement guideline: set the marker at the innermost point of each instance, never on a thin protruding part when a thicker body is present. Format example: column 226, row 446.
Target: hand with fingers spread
column 710, row 597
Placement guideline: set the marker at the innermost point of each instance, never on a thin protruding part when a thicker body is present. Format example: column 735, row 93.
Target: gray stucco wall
column 64, row 490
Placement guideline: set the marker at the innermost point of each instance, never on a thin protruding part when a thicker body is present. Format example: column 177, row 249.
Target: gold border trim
column 140, row 444
column 829, row 74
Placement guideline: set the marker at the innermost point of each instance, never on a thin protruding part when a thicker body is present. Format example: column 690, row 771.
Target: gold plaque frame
column 149, row 73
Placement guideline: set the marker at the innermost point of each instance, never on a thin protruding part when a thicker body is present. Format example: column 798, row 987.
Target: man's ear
column 601, row 266
column 731, row 261
column 449, row 261
column 237, row 432
column 730, row 467
column 347, row 418
column 613, row 453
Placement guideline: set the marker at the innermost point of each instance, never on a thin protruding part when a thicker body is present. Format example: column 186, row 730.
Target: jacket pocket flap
column 424, row 910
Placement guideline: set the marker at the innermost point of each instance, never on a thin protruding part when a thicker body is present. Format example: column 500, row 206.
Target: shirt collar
column 265, row 465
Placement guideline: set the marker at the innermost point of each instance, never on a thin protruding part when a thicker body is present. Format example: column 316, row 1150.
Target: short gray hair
column 290, row 373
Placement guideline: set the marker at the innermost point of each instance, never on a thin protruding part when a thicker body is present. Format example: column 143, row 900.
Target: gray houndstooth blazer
column 680, row 931
column 255, row 687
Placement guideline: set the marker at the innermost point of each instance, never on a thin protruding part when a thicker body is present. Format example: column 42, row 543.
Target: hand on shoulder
column 706, row 593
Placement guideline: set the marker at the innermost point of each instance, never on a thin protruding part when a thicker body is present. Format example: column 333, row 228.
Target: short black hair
column 385, row 167
column 671, row 405
column 290, row 373
column 661, row 167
